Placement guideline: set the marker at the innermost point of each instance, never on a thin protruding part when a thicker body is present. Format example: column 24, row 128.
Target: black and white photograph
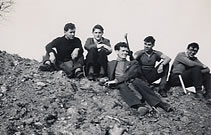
column 105, row 67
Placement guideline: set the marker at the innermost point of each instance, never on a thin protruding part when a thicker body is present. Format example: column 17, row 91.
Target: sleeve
column 80, row 47
column 182, row 58
column 109, row 49
column 138, row 54
column 49, row 47
column 159, row 54
column 89, row 44
column 130, row 73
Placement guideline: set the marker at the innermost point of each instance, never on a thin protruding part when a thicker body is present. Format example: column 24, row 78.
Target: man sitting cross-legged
column 121, row 72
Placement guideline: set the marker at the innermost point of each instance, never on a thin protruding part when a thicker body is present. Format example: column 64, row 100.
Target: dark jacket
column 91, row 44
column 131, row 69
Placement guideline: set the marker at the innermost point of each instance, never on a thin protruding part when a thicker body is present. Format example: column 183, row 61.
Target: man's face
column 97, row 34
column 191, row 52
column 148, row 46
column 122, row 52
column 70, row 33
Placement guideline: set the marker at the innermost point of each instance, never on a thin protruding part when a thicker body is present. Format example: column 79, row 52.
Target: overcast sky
column 174, row 23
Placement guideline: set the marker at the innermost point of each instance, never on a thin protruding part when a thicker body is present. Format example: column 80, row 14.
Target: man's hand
column 107, row 47
column 75, row 53
column 160, row 69
column 99, row 46
column 52, row 57
column 113, row 82
column 204, row 66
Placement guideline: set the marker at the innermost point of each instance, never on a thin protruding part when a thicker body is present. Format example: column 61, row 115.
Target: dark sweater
column 64, row 47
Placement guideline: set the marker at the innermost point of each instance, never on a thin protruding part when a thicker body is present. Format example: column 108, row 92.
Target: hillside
column 43, row 103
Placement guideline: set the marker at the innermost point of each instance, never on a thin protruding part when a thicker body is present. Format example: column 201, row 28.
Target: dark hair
column 98, row 26
column 69, row 26
column 193, row 45
column 120, row 44
column 150, row 39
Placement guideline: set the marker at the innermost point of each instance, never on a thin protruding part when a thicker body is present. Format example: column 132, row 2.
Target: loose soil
column 48, row 103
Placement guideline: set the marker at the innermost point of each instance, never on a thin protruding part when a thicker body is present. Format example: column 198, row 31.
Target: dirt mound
column 43, row 103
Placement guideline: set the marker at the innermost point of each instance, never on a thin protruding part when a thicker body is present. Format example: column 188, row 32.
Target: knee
column 206, row 76
column 92, row 50
column 196, row 70
column 102, row 53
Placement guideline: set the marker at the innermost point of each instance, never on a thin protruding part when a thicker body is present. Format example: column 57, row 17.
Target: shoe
column 141, row 109
column 207, row 95
column 46, row 67
column 168, row 87
column 79, row 74
column 198, row 95
column 165, row 106
column 163, row 93
column 91, row 77
column 70, row 75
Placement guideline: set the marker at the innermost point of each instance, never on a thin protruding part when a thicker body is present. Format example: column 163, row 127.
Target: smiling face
column 69, row 34
column 122, row 53
column 97, row 34
column 191, row 51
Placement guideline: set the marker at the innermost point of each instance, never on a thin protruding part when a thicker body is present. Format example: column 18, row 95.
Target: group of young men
column 148, row 65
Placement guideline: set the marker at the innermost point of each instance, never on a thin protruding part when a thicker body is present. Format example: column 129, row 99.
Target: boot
column 208, row 96
column 165, row 106
column 199, row 93
column 163, row 93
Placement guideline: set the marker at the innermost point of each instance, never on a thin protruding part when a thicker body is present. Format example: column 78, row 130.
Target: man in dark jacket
column 65, row 53
column 98, row 48
column 121, row 72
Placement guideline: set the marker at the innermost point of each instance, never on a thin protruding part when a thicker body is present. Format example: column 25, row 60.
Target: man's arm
column 165, row 59
column 138, row 54
column 50, row 47
column 90, row 44
column 205, row 69
column 107, row 46
column 51, row 51
column 109, row 49
column 182, row 58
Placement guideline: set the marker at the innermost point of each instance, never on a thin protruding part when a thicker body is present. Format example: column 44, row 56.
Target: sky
column 31, row 24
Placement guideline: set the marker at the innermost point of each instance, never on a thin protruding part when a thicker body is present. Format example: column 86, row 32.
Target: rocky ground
column 43, row 103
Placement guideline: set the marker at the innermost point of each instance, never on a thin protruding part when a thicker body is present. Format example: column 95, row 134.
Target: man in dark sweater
column 121, row 72
column 193, row 72
column 65, row 53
